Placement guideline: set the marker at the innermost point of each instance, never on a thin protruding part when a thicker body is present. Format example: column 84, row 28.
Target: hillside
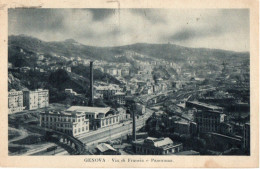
column 23, row 51
column 71, row 48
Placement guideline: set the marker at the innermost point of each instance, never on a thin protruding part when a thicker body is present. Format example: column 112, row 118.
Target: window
column 75, row 131
column 79, row 130
column 82, row 128
column 86, row 127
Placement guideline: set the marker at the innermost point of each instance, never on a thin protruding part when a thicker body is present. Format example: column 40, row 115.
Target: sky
column 226, row 29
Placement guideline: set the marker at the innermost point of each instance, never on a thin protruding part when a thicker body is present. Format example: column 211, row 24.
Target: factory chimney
column 91, row 100
column 134, row 134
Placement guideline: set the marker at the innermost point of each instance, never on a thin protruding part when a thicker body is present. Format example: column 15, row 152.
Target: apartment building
column 72, row 123
column 119, row 98
column 36, row 99
column 209, row 120
column 15, row 101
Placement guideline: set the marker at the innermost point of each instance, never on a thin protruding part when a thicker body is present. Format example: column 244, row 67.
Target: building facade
column 119, row 98
column 208, row 120
column 15, row 101
column 99, row 117
column 107, row 91
column 72, row 123
column 122, row 114
column 36, row 99
column 181, row 127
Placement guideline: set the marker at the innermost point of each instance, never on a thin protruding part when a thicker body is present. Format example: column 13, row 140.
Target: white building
column 36, row 99
column 72, row 123
column 71, row 92
column 99, row 117
column 112, row 71
column 15, row 101
column 107, row 91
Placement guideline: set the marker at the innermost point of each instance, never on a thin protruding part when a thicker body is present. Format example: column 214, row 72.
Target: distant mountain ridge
column 169, row 52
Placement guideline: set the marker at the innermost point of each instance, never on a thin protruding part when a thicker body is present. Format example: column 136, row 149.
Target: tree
column 99, row 103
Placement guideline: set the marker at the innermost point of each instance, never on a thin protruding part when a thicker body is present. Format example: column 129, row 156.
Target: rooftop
column 89, row 109
column 205, row 105
column 109, row 87
column 164, row 143
column 189, row 152
column 104, row 147
column 64, row 113
column 119, row 93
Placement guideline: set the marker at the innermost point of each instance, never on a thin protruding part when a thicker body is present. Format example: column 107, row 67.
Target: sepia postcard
column 127, row 84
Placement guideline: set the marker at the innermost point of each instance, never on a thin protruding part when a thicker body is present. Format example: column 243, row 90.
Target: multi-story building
column 122, row 114
column 36, row 99
column 185, row 127
column 15, row 101
column 209, row 120
column 72, row 123
column 119, row 98
column 107, row 91
column 99, row 117
column 181, row 127
column 156, row 146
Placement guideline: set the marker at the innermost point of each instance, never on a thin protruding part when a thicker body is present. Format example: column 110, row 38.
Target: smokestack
column 134, row 135
column 91, row 100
